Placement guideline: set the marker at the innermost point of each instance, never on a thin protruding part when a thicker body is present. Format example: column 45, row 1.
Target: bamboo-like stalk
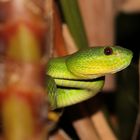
column 24, row 33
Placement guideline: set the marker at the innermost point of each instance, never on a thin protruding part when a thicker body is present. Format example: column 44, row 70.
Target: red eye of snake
column 108, row 51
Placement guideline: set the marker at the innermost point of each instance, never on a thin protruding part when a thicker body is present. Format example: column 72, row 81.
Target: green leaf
column 74, row 21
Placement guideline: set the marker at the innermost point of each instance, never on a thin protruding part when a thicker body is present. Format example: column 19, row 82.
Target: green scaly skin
column 80, row 76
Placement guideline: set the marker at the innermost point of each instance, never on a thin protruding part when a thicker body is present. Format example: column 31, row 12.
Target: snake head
column 99, row 61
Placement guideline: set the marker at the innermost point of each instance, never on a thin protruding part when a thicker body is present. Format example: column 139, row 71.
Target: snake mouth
column 88, row 84
column 125, row 63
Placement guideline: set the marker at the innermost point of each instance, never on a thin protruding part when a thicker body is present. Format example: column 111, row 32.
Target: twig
column 102, row 126
column 59, row 135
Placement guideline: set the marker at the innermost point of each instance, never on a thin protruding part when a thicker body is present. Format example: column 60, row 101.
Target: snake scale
column 77, row 77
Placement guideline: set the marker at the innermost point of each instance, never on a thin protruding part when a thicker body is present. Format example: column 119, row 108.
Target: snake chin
column 119, row 69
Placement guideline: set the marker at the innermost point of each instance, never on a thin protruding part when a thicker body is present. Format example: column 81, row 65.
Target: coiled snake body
column 80, row 76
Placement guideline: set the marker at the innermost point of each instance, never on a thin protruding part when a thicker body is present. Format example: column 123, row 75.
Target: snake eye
column 108, row 51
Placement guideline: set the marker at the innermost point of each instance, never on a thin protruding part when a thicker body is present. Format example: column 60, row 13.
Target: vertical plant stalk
column 74, row 21
column 25, row 32
column 59, row 44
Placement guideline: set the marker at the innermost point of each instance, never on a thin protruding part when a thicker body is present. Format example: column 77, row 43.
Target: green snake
column 77, row 77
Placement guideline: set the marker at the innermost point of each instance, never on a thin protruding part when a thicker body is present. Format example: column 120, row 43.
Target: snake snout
column 122, row 60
